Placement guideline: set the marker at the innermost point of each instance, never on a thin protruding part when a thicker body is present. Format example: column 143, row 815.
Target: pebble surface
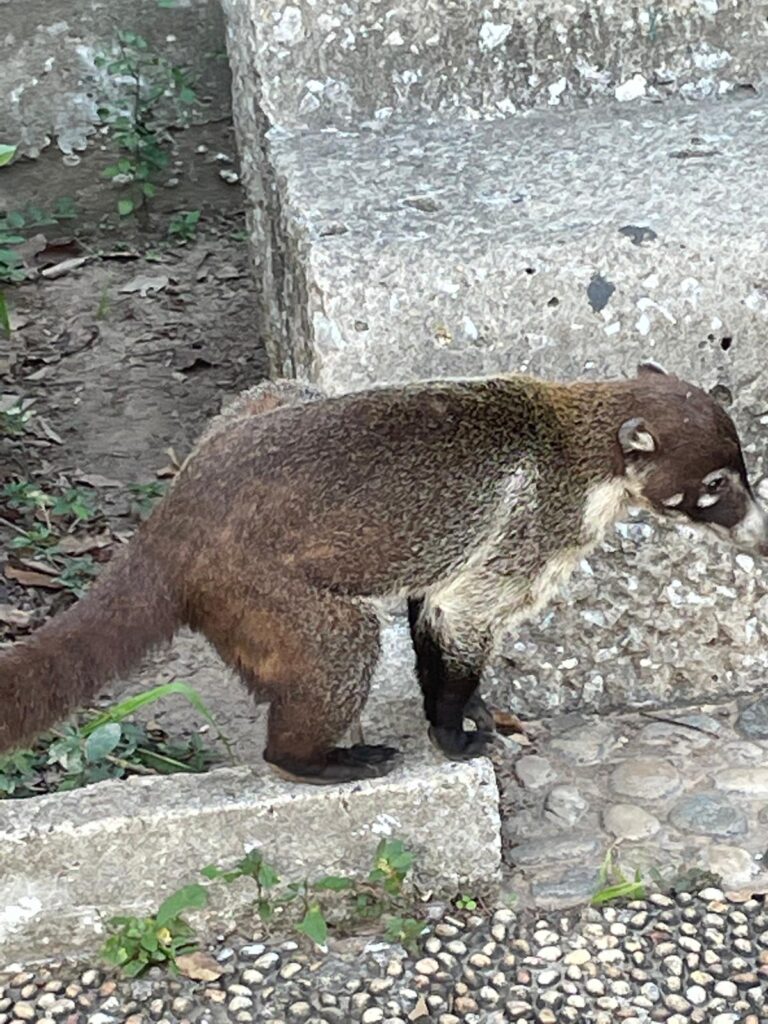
column 693, row 958
column 675, row 789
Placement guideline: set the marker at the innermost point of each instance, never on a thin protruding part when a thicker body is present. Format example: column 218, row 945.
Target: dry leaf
column 14, row 616
column 199, row 966
column 74, row 545
column 96, row 480
column 420, row 1009
column 507, row 723
column 145, row 283
column 37, row 566
column 32, row 579
column 48, row 430
column 60, row 269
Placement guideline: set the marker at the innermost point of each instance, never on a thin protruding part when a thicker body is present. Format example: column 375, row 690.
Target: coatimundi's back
column 471, row 498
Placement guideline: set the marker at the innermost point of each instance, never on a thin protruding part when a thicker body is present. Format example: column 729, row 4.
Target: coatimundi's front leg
column 449, row 680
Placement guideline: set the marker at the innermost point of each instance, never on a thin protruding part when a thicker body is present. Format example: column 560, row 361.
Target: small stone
column 628, row 821
column 647, row 778
column 548, row 977
column 585, row 745
column 267, row 960
column 726, row 989
column 732, row 862
column 748, row 781
column 708, row 814
column 577, row 956
column 711, row 894
column 300, row 1010
column 252, row 951
column 550, row 953
column 677, row 1003
column 240, row 1003
column 290, row 970
column 696, row 995
column 566, row 804
column 373, row 1015
column 534, row 771
column 725, row 1018
column 24, row 1011
column 753, row 720
column 428, row 965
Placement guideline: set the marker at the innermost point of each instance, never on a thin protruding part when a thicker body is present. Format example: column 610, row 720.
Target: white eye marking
column 708, row 500
column 674, row 500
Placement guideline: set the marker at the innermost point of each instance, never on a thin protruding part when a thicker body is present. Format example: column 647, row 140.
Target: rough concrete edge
column 34, row 930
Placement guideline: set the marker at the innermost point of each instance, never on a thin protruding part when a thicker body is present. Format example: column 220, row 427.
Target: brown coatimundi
column 298, row 515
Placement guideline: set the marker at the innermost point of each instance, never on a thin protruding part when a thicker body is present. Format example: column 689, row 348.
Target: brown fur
column 295, row 515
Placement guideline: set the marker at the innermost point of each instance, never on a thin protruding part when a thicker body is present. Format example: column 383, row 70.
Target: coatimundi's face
column 686, row 458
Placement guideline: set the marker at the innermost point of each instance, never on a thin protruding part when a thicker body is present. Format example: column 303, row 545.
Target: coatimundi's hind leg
column 312, row 655
column 449, row 683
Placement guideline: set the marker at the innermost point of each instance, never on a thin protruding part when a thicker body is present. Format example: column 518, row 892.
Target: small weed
column 251, row 866
column 144, row 497
column 105, row 746
column 183, row 226
column 614, row 885
column 75, row 504
column 77, row 574
column 138, row 119
column 104, row 306
column 38, row 539
column 465, row 903
column 25, row 496
column 138, row 943
column 405, row 930
column 13, row 421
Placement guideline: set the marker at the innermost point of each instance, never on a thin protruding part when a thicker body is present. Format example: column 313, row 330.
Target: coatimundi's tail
column 130, row 609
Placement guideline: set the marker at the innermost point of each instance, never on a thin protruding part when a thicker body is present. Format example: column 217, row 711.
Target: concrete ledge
column 70, row 861
column 319, row 63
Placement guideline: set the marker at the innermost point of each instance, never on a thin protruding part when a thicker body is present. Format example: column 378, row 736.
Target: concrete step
column 563, row 244
column 325, row 63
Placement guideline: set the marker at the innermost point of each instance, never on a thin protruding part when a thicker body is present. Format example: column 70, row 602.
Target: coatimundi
column 297, row 514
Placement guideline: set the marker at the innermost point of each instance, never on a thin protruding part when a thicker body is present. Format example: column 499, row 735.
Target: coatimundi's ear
column 634, row 436
column 648, row 366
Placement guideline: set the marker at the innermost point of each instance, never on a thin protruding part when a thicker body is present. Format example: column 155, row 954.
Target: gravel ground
column 700, row 957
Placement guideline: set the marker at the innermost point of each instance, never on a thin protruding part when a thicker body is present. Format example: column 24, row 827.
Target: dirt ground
column 120, row 361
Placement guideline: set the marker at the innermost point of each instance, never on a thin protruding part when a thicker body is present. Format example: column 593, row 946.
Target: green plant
column 38, row 539
column 138, row 943
column 77, row 574
column 11, row 223
column 105, row 746
column 25, row 496
column 145, row 495
column 75, row 504
column 405, row 930
column 465, row 902
column 13, row 421
column 614, row 885
column 251, row 866
column 138, row 118
column 183, row 225
column 391, row 864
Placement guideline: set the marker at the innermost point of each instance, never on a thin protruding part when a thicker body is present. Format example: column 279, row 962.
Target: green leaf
column 125, row 207
column 314, row 925
column 149, row 189
column 131, row 705
column 149, row 941
column 187, row 95
column 5, row 319
column 102, row 741
column 334, row 883
column 15, row 219
column 7, row 153
column 190, row 897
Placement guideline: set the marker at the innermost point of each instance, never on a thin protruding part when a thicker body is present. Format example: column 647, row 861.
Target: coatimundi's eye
column 712, row 487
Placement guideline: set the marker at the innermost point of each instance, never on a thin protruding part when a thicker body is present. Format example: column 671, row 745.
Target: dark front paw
column 458, row 745
column 477, row 711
